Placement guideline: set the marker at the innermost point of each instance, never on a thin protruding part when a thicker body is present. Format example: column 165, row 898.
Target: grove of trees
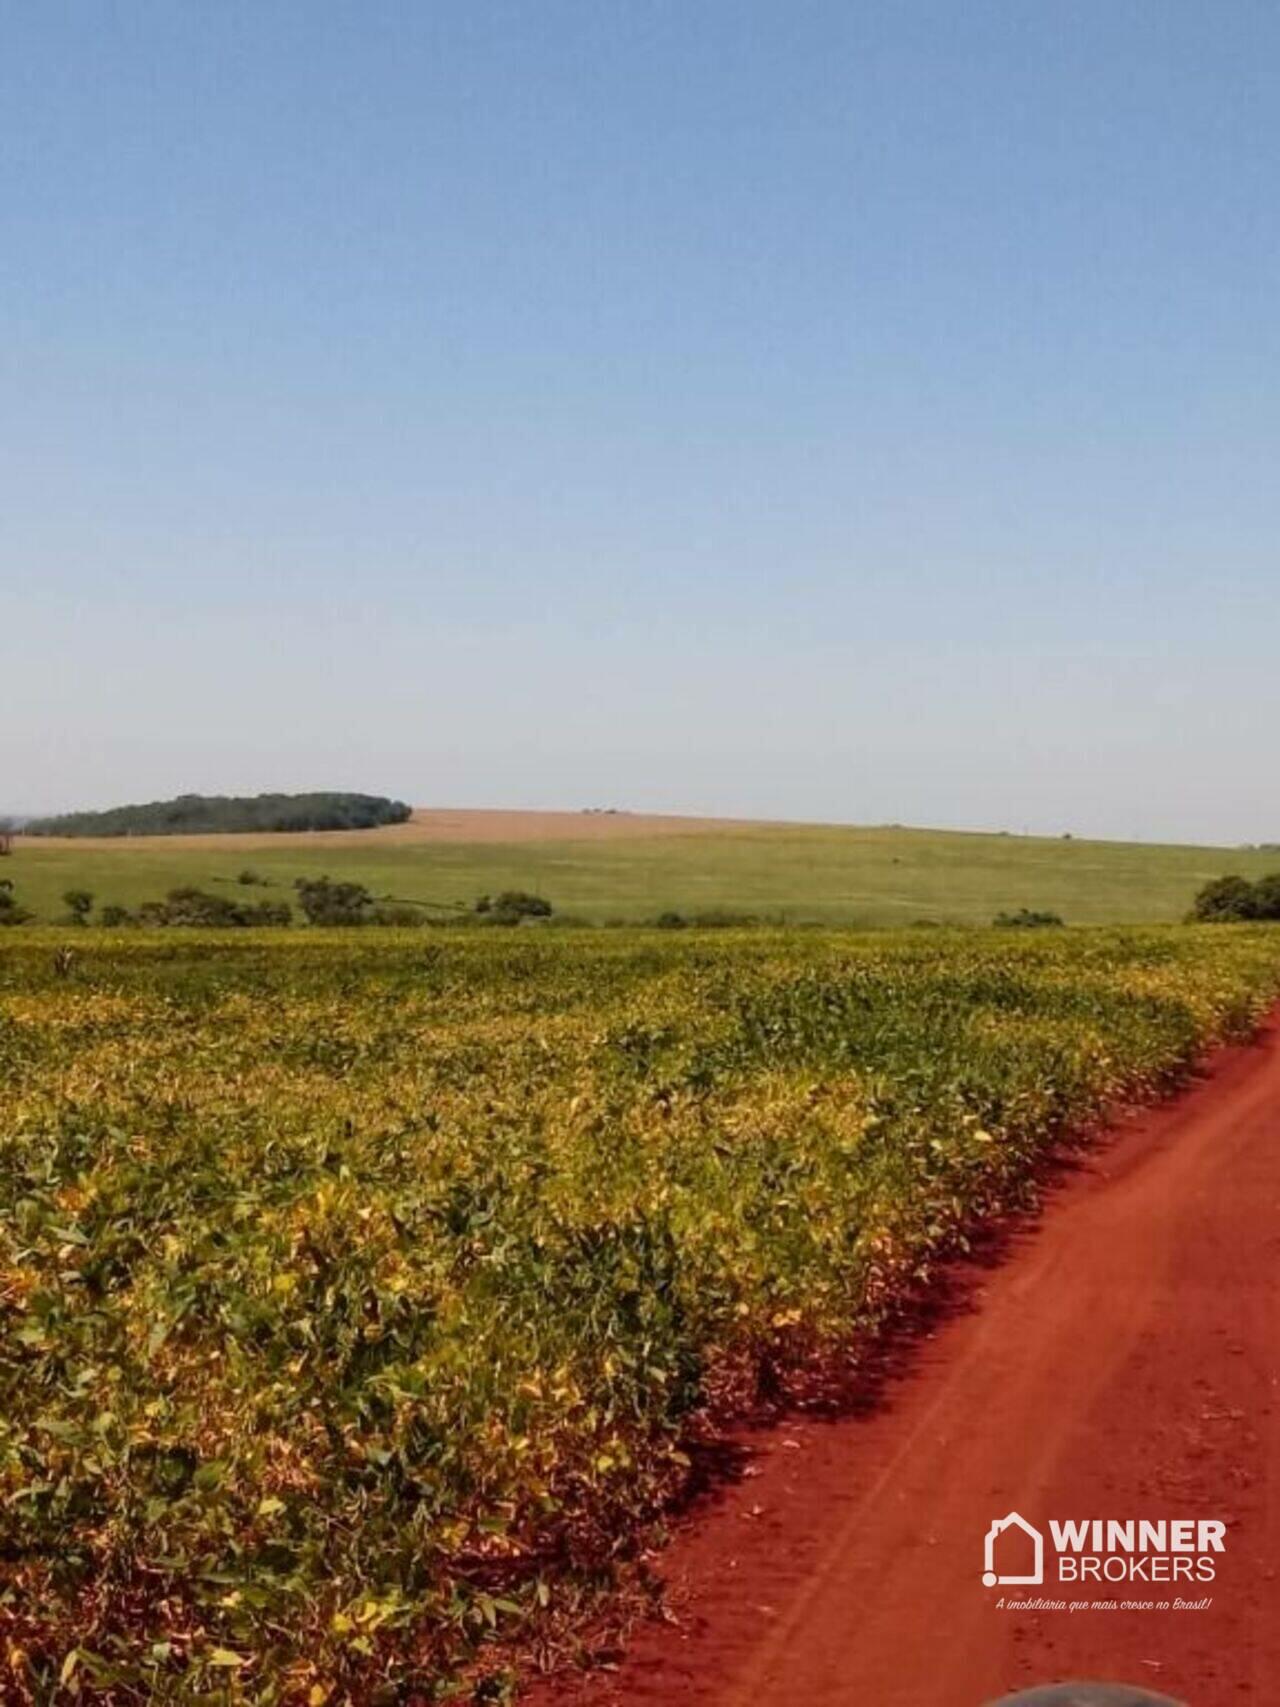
column 212, row 814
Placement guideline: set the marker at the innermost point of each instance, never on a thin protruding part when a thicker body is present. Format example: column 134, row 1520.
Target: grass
column 869, row 877
column 361, row 1294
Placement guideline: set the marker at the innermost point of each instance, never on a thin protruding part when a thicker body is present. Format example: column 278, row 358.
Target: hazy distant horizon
column 18, row 816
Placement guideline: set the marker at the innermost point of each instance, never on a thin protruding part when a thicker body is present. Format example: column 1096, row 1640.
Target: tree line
column 216, row 814
column 321, row 901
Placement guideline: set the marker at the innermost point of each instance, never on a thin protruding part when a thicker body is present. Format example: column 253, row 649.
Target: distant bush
column 249, row 876
column 1225, row 900
column 113, row 916
column 1026, row 918
column 708, row 919
column 399, row 913
column 704, row 919
column 512, row 907
column 79, row 904
column 267, row 913
column 1233, row 900
column 193, row 907
column 325, row 902
column 216, row 814
column 10, row 912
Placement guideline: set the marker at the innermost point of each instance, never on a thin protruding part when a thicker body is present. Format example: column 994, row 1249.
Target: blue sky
column 826, row 411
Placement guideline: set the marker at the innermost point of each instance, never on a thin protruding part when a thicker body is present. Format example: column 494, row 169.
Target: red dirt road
column 1119, row 1360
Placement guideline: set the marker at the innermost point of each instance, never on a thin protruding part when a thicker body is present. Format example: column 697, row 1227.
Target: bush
column 10, row 912
column 328, row 903
column 512, row 907
column 193, row 907
column 1233, row 900
column 708, row 919
column 79, row 904
column 267, row 913
column 1026, row 918
column 113, row 916
column 399, row 914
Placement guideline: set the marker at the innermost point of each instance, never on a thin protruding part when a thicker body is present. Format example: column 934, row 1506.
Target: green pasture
column 798, row 874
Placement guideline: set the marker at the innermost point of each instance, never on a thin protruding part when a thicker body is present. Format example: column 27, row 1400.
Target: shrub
column 399, row 914
column 193, row 907
column 512, row 907
column 708, row 919
column 267, row 913
column 1026, row 918
column 328, row 903
column 10, row 912
column 1226, row 900
column 112, row 916
column 79, row 904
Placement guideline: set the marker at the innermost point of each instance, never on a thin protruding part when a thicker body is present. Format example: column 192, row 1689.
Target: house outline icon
column 990, row 1576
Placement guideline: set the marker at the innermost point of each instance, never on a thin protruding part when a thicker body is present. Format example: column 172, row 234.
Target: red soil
column 1120, row 1359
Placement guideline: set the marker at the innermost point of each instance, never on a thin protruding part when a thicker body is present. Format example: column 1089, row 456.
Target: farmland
column 361, row 1294
column 602, row 867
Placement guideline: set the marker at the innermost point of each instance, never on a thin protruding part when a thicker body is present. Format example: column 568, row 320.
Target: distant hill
column 213, row 814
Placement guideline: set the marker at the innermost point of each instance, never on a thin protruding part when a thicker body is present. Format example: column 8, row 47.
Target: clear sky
column 841, row 411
